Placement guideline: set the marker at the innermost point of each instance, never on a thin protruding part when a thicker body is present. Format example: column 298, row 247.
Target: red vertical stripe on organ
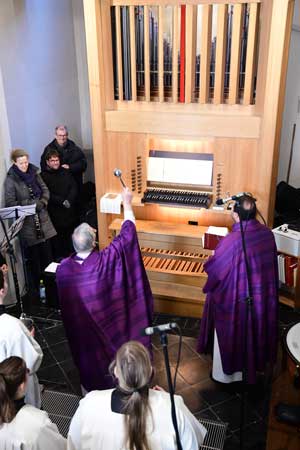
column 182, row 55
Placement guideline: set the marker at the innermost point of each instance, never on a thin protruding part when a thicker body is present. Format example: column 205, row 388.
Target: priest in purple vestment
column 105, row 298
column 223, row 324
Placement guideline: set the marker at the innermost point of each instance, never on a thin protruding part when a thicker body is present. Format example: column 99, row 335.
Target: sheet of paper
column 52, row 267
column 219, row 231
column 180, row 171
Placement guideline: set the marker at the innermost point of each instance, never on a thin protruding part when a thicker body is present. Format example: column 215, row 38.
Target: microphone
column 118, row 174
column 158, row 329
column 222, row 201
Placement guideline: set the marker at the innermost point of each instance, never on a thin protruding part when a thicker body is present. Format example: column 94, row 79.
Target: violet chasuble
column 105, row 301
column 226, row 290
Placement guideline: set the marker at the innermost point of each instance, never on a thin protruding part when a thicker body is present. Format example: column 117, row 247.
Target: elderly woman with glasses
column 23, row 426
column 24, row 186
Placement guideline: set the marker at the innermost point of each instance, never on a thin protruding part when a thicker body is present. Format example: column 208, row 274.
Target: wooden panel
column 178, row 307
column 175, row 55
column 132, row 52
column 235, row 54
column 220, row 53
column 189, row 125
column 175, row 244
column 123, row 153
column 190, row 40
column 119, row 52
column 281, row 25
column 265, row 16
column 162, row 228
column 205, row 53
column 92, row 17
column 160, row 53
column 194, row 108
column 176, row 290
column 147, row 53
column 171, row 278
column 251, row 54
column 107, row 54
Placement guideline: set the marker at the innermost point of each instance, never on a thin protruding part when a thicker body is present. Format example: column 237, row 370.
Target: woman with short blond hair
column 24, row 186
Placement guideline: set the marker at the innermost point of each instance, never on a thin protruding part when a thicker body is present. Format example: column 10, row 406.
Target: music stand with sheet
column 19, row 213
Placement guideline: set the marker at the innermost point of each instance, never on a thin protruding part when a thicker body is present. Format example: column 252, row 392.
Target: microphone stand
column 248, row 312
column 164, row 342
column 13, row 260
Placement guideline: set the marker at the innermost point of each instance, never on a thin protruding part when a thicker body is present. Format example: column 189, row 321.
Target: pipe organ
column 186, row 99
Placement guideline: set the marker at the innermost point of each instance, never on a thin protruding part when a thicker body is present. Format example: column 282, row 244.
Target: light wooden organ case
column 180, row 102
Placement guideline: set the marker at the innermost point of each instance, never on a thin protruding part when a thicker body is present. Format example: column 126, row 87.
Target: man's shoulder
column 11, row 324
column 64, row 265
column 50, row 146
column 72, row 145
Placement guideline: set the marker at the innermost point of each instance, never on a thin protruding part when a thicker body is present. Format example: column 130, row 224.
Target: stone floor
column 204, row 397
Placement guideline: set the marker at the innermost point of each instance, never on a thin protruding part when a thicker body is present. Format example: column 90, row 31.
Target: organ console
column 185, row 99
column 177, row 198
column 173, row 256
column 187, row 171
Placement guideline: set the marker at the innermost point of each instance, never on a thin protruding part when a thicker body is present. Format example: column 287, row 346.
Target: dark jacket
column 69, row 154
column 17, row 193
column 62, row 186
column 2, row 260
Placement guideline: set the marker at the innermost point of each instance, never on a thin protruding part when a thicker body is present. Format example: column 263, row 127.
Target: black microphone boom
column 159, row 329
column 222, row 201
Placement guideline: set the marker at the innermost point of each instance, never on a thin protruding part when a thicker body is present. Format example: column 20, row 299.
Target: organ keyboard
column 173, row 257
column 164, row 196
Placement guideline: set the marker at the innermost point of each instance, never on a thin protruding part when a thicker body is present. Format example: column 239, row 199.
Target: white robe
column 31, row 429
column 96, row 427
column 217, row 368
column 15, row 340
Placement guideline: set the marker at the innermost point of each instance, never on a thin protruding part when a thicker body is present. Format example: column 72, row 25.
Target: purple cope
column 105, row 301
column 226, row 290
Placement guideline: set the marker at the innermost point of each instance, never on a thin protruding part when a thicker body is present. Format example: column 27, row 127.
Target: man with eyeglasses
column 62, row 203
column 71, row 156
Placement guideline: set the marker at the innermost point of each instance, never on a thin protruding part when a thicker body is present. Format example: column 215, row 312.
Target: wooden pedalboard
column 173, row 257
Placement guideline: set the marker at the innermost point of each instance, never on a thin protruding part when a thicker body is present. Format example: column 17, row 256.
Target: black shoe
column 289, row 414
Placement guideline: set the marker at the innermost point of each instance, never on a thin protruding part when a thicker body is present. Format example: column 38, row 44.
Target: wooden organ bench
column 173, row 256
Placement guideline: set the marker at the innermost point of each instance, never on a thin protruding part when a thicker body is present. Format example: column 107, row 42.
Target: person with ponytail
column 132, row 416
column 23, row 426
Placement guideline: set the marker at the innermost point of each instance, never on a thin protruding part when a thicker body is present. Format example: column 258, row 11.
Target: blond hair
column 18, row 153
column 134, row 372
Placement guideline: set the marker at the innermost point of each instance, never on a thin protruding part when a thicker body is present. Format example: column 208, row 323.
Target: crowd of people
column 105, row 301
column 46, row 235
column 131, row 415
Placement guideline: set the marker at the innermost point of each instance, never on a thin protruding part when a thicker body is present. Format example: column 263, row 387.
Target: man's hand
column 127, row 197
column 65, row 166
column 158, row 388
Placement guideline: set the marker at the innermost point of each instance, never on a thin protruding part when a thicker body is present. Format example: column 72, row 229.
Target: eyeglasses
column 62, row 135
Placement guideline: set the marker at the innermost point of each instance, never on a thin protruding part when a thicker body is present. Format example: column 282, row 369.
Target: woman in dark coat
column 24, row 186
